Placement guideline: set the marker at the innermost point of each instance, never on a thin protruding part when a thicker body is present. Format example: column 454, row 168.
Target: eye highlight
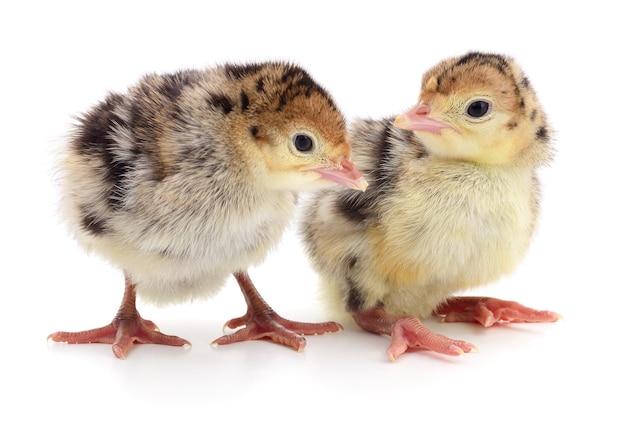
column 303, row 143
column 478, row 108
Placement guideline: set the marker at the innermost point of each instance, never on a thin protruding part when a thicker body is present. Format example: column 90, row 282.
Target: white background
column 59, row 58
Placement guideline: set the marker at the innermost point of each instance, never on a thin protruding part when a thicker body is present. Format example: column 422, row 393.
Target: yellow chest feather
column 458, row 229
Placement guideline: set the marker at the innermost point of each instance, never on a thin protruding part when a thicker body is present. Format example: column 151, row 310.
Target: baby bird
column 452, row 205
column 191, row 176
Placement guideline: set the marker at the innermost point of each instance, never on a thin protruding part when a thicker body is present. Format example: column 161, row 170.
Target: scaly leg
column 407, row 332
column 127, row 328
column 488, row 311
column 261, row 321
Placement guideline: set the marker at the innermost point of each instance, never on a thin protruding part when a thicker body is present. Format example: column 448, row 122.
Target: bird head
column 300, row 133
column 301, row 157
column 479, row 108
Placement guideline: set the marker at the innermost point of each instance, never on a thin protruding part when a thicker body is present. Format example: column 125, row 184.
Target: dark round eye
column 303, row 142
column 478, row 108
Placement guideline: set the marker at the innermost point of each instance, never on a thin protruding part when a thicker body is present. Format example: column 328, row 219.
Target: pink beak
column 417, row 119
column 346, row 175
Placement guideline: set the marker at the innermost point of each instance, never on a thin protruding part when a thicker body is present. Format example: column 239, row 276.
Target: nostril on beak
column 422, row 109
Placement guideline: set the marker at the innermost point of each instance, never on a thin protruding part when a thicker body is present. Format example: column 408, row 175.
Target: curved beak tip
column 361, row 184
column 399, row 121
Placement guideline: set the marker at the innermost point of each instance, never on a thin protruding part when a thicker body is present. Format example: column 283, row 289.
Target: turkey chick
column 191, row 176
column 452, row 205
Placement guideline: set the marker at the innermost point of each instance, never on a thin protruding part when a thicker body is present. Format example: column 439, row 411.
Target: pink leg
column 261, row 321
column 488, row 311
column 127, row 328
column 407, row 332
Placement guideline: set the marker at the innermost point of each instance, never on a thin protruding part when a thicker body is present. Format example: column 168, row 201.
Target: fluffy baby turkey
column 452, row 204
column 191, row 176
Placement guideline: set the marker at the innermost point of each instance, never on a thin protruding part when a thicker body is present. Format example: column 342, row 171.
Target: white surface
column 58, row 59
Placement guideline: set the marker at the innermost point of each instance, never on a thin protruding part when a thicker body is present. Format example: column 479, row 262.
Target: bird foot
column 122, row 333
column 261, row 321
column 408, row 333
column 268, row 324
column 488, row 311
